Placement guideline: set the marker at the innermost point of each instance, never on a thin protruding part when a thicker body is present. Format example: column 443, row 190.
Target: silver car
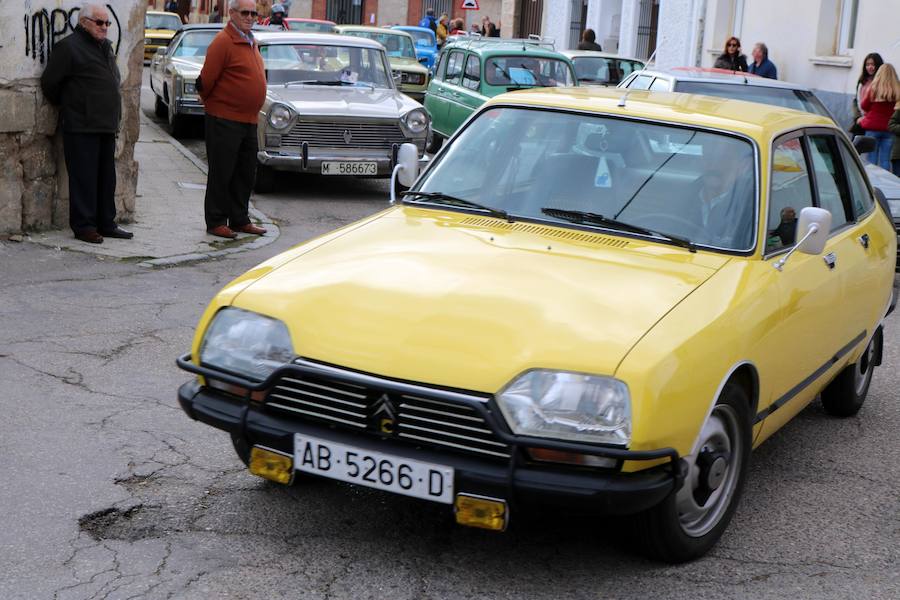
column 332, row 108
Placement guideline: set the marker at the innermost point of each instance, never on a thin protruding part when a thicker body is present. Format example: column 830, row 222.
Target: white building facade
column 818, row 43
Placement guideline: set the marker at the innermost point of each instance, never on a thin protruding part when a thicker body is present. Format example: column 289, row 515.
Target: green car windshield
column 397, row 45
column 319, row 64
column 547, row 165
column 527, row 71
column 171, row 22
column 194, row 43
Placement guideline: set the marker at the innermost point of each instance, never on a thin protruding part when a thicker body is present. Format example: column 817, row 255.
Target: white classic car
column 332, row 108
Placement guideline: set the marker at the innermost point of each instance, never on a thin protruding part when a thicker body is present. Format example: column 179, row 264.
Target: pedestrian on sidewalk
column 731, row 58
column 588, row 41
column 878, row 108
column 232, row 85
column 82, row 79
column 761, row 64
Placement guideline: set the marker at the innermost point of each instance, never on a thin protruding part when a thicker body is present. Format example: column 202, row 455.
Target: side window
column 789, row 192
column 438, row 65
column 454, row 67
column 659, row 85
column 641, row 82
column 472, row 75
column 860, row 198
column 830, row 180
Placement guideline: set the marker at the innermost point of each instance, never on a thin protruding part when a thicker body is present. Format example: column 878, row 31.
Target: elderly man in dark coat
column 83, row 80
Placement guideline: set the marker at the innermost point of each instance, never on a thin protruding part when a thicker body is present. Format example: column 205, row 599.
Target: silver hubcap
column 713, row 475
column 861, row 370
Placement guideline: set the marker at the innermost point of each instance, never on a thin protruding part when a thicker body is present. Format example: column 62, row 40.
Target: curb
column 255, row 214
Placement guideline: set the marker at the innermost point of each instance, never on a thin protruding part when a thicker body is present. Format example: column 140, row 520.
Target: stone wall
column 33, row 179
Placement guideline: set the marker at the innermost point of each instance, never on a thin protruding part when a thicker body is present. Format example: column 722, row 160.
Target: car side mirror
column 397, row 77
column 864, row 144
column 814, row 225
column 406, row 170
column 423, row 60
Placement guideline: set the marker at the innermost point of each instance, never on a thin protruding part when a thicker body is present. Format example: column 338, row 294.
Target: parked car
column 332, row 108
column 159, row 28
column 173, row 74
column 581, row 304
column 727, row 84
column 310, row 25
column 601, row 68
column 400, row 47
column 470, row 71
column 426, row 43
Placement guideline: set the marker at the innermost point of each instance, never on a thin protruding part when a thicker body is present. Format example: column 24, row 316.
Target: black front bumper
column 520, row 482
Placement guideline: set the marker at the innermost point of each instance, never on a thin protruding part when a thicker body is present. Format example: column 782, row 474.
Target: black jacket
column 732, row 63
column 83, row 80
column 583, row 45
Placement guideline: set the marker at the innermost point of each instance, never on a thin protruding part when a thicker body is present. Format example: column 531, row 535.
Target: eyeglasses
column 248, row 13
column 732, row 45
column 99, row 22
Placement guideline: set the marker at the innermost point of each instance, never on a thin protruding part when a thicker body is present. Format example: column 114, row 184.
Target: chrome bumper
column 311, row 160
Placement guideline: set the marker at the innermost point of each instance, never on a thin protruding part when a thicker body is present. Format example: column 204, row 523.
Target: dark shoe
column 222, row 231
column 251, row 228
column 91, row 237
column 120, row 233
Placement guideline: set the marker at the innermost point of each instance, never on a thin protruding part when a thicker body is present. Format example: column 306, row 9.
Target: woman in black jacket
column 732, row 59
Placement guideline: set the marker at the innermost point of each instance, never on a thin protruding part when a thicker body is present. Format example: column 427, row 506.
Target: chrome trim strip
column 325, row 387
column 445, row 423
column 455, row 435
column 441, row 412
column 451, row 444
column 317, row 405
column 315, row 414
column 314, row 395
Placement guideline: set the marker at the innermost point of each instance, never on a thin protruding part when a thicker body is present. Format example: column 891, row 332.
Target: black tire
column 435, row 141
column 845, row 395
column 265, row 179
column 690, row 521
column 160, row 109
column 177, row 123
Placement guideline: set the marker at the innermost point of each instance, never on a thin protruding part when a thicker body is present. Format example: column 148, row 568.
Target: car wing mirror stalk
column 406, row 170
column 816, row 222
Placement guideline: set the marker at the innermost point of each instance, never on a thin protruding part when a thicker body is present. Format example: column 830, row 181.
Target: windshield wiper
column 311, row 82
column 579, row 216
column 441, row 197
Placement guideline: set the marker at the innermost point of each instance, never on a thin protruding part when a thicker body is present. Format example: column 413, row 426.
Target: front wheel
column 177, row 123
column 160, row 108
column 435, row 141
column 845, row 395
column 691, row 520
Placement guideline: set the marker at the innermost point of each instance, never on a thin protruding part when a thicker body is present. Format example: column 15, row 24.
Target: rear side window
column 860, row 198
column 834, row 195
column 789, row 192
column 659, row 85
column 438, row 64
column 472, row 74
column 454, row 66
column 641, row 82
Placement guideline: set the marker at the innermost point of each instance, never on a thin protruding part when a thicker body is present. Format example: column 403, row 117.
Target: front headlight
column 280, row 116
column 568, row 406
column 246, row 343
column 416, row 120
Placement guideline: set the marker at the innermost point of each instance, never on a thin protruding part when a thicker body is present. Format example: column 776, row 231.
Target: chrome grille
column 381, row 136
column 418, row 419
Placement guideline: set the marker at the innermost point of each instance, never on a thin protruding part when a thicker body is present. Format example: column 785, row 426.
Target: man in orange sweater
column 232, row 85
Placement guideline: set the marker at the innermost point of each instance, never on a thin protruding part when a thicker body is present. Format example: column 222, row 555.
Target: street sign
column 469, row 5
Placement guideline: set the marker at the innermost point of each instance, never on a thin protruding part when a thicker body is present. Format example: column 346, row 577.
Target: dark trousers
column 91, row 162
column 231, row 154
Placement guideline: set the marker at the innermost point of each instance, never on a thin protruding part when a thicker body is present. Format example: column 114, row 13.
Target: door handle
column 830, row 260
column 864, row 240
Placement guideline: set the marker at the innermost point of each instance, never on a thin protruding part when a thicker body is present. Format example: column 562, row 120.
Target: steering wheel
column 682, row 226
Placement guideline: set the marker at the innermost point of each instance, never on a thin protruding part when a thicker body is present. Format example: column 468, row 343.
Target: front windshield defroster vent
column 569, row 236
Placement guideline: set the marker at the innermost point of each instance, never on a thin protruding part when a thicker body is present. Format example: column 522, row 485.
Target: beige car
column 601, row 68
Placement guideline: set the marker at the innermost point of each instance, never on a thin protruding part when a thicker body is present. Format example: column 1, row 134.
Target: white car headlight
column 416, row 120
column 246, row 343
column 568, row 406
column 280, row 116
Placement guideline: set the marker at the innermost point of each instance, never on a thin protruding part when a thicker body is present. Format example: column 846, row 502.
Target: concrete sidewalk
column 168, row 220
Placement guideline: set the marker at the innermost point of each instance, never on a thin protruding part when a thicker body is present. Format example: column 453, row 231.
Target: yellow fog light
column 478, row 511
column 271, row 465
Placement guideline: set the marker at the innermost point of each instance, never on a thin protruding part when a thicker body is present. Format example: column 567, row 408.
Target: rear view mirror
column 864, row 144
column 813, row 228
column 406, row 170
column 423, row 60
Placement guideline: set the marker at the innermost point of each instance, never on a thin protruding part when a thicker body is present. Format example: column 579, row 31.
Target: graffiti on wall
column 44, row 28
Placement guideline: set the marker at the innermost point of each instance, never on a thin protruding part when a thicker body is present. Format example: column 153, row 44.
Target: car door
column 440, row 93
column 468, row 96
column 806, row 337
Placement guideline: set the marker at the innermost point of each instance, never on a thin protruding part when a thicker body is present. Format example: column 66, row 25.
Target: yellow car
column 159, row 28
column 588, row 301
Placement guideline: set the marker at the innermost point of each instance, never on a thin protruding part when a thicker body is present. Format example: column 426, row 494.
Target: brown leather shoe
column 90, row 236
column 223, row 231
column 118, row 232
column 252, row 229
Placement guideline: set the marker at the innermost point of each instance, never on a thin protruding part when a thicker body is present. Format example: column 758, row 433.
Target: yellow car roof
column 756, row 120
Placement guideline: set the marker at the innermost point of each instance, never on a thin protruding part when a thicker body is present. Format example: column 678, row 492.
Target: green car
column 468, row 72
column 411, row 76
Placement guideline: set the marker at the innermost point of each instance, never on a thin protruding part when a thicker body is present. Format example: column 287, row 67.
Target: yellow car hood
column 469, row 302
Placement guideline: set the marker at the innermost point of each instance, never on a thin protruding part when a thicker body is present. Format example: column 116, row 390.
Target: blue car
column 426, row 43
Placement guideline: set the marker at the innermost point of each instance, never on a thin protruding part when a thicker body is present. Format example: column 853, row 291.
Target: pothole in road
column 132, row 524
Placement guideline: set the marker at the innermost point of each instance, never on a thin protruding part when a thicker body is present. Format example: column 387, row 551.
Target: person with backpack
column 428, row 20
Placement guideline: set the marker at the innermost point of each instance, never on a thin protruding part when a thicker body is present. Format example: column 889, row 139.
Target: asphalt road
column 110, row 491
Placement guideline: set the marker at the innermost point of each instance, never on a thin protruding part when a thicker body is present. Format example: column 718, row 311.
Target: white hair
column 90, row 9
column 233, row 4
